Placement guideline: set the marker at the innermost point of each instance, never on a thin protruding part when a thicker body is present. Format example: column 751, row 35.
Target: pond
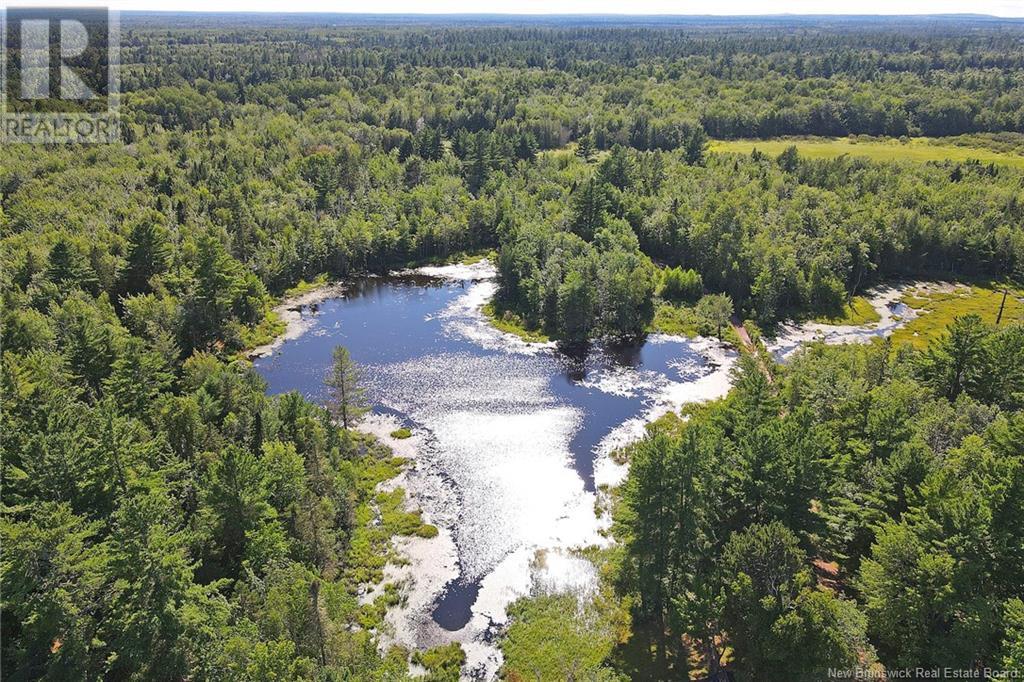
column 511, row 439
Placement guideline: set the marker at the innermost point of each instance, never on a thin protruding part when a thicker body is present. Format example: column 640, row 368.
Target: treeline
column 862, row 511
column 247, row 170
column 734, row 80
column 186, row 233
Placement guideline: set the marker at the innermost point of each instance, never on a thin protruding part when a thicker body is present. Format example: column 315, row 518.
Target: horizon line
column 556, row 15
column 808, row 15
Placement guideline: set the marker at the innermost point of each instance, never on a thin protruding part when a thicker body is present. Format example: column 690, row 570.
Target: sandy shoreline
column 290, row 312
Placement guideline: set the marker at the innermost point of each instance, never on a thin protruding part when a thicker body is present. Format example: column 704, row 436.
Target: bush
column 401, row 434
column 427, row 531
column 681, row 285
column 443, row 663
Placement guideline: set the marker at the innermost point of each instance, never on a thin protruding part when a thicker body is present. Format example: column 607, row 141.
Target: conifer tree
column 348, row 401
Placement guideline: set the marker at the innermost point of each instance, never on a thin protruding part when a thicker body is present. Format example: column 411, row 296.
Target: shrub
column 681, row 285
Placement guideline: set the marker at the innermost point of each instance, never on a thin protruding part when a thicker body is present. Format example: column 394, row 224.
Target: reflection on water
column 513, row 431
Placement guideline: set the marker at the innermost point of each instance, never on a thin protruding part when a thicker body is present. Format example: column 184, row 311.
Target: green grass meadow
column 917, row 149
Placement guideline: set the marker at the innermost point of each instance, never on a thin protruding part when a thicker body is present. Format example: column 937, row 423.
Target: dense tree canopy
column 859, row 511
column 165, row 519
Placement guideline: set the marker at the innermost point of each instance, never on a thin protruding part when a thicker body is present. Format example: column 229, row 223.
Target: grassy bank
column 857, row 312
column 510, row 323
column 378, row 517
column 304, row 287
column 561, row 636
column 268, row 329
column 461, row 258
column 918, row 149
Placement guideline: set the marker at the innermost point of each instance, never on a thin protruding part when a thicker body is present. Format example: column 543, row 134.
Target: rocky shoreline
column 290, row 312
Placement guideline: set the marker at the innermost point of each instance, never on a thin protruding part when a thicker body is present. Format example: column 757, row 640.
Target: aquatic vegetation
column 937, row 305
column 511, row 323
column 304, row 287
column 560, row 636
column 443, row 663
column 265, row 331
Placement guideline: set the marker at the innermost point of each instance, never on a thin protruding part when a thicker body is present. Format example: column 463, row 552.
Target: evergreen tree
column 478, row 165
column 695, row 146
column 148, row 254
column 585, row 148
column 347, row 401
column 960, row 361
column 69, row 269
column 588, row 208
column 617, row 168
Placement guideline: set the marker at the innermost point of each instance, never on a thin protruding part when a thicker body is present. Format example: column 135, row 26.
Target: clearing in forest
column 917, row 149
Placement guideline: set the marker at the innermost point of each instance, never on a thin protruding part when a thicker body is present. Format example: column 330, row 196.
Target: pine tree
column 478, row 165
column 617, row 168
column 695, row 146
column 585, row 150
column 148, row 255
column 68, row 267
column 348, row 400
column 960, row 361
column 588, row 209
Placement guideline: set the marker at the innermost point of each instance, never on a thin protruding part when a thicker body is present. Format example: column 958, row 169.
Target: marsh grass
column 476, row 257
column 268, row 329
column 460, row 258
column 442, row 663
column 304, row 287
column 917, row 150
column 379, row 515
column 563, row 636
column 937, row 307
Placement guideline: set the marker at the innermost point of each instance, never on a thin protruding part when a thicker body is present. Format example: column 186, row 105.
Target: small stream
column 892, row 313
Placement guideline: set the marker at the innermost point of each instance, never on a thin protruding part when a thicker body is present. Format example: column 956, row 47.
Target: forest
column 163, row 518
column 910, row 548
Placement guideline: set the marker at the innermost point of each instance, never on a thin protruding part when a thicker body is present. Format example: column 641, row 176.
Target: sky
column 1003, row 8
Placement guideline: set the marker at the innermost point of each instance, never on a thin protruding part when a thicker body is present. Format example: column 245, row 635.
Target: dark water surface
column 491, row 409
